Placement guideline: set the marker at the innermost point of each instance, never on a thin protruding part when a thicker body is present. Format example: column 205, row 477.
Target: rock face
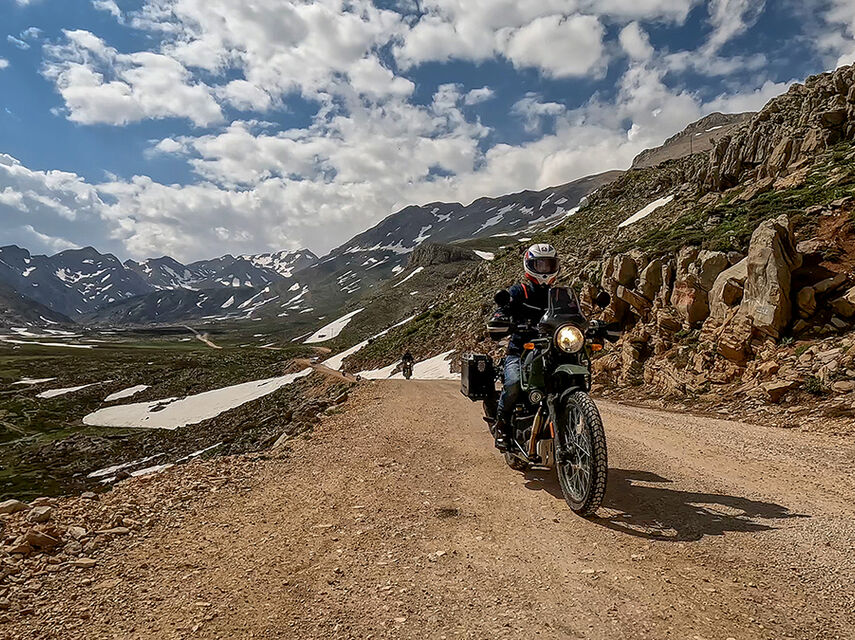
column 788, row 131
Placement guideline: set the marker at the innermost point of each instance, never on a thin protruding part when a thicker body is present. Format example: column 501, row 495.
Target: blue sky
column 200, row 127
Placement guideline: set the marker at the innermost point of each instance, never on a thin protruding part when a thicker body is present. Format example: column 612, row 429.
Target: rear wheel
column 581, row 458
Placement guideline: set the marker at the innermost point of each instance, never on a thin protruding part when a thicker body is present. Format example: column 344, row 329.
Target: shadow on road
column 640, row 503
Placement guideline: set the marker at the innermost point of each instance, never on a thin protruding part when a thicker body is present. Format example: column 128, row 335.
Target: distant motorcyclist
column 527, row 302
column 407, row 364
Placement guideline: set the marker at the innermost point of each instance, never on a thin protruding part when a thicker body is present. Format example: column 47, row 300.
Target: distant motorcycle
column 408, row 369
column 555, row 423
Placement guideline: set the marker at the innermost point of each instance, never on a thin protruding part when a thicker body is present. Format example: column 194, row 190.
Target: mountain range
column 86, row 286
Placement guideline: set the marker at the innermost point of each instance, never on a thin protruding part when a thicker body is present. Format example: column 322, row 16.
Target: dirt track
column 399, row 520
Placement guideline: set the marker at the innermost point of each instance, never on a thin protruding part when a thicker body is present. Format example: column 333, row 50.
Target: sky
column 195, row 128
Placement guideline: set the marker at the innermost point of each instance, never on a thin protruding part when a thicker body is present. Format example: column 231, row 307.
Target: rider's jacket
column 528, row 304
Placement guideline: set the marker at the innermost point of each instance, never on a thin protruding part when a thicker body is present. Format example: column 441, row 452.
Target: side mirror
column 502, row 298
column 602, row 299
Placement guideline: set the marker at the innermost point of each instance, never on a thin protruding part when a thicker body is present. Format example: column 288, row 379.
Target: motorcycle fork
column 536, row 426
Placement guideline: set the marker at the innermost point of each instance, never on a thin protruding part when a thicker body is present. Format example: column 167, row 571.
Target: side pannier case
column 477, row 376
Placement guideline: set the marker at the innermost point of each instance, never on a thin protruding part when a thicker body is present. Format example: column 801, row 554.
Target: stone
column 777, row 389
column 19, row 546
column 685, row 259
column 690, row 300
column 650, row 279
column 624, row 270
column 89, row 495
column 83, row 563
column 832, row 118
column 769, row 368
column 12, row 506
column 73, row 548
column 772, row 257
column 830, row 284
column 114, row 531
column 40, row 540
column 753, row 190
column 638, row 303
column 843, row 386
column 708, row 267
column 839, row 323
column 845, row 305
column 806, row 302
column 734, row 344
column 40, row 514
column 728, row 289
column 77, row 532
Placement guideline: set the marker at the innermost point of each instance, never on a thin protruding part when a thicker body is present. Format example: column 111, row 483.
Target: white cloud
column 109, row 6
column 673, row 10
column 560, row 47
column 50, row 243
column 21, row 44
column 635, row 42
column 749, row 100
column 730, row 18
column 534, row 112
column 101, row 85
column 3, row 63
column 477, row 96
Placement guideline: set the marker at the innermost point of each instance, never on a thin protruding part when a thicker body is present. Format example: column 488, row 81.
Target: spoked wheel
column 581, row 458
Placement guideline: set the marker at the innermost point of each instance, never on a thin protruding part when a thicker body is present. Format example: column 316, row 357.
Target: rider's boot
column 501, row 434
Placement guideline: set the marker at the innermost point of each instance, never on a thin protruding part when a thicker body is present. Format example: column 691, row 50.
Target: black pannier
column 477, row 376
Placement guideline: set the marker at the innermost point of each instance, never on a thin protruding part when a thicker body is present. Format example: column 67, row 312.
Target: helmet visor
column 542, row 266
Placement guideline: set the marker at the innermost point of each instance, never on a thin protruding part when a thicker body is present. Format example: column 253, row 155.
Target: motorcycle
column 555, row 424
column 407, row 369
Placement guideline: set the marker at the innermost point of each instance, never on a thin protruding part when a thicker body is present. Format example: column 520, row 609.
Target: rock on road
column 398, row 519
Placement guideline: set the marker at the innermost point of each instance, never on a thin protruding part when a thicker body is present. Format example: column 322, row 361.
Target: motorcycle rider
column 407, row 363
column 528, row 301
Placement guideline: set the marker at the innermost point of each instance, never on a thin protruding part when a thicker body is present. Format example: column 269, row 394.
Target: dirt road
column 398, row 520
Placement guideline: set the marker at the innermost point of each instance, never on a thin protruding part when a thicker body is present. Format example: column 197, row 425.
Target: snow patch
column 485, row 255
column 415, row 272
column 436, row 368
column 333, row 329
column 30, row 381
column 646, row 211
column 53, row 393
column 127, row 393
column 173, row 413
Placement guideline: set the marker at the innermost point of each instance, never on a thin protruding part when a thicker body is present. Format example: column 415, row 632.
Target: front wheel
column 581, row 458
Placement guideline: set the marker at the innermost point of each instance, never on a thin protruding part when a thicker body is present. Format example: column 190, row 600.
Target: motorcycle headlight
column 569, row 338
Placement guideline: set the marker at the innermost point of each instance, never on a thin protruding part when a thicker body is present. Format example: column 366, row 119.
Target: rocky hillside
column 698, row 137
column 731, row 272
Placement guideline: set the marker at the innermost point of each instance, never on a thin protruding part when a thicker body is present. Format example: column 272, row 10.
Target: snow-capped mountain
column 80, row 282
column 72, row 282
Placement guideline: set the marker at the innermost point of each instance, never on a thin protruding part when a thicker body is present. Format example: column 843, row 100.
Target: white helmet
column 541, row 264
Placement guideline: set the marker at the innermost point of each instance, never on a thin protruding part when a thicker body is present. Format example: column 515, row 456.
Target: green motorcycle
column 555, row 424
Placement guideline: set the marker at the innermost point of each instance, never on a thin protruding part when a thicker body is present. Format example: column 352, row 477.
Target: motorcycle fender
column 578, row 373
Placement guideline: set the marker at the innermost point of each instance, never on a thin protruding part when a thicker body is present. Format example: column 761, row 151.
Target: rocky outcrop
column 787, row 133
column 434, row 253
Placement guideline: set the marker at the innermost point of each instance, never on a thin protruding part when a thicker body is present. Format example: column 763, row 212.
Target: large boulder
column 690, row 300
column 708, row 267
column 727, row 290
column 650, row 279
column 772, row 257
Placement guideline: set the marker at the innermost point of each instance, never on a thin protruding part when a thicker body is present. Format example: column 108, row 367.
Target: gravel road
column 398, row 519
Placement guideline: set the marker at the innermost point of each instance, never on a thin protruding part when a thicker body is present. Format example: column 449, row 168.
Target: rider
column 408, row 357
column 527, row 304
